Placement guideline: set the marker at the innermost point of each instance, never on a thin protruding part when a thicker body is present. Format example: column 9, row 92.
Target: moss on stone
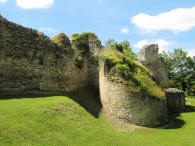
column 136, row 77
column 81, row 45
column 62, row 40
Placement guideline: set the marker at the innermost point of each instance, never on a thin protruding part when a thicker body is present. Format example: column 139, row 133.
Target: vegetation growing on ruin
column 61, row 40
column 80, row 44
column 122, row 46
column 134, row 75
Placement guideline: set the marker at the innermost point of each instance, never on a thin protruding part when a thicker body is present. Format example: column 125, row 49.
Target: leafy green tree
column 110, row 43
column 180, row 69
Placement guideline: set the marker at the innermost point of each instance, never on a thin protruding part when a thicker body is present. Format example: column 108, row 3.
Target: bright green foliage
column 80, row 45
column 181, row 70
column 59, row 121
column 123, row 46
column 135, row 76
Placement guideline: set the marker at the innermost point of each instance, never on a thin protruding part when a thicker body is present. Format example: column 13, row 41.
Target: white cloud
column 33, row 4
column 48, row 29
column 140, row 44
column 125, row 30
column 191, row 53
column 3, row 1
column 177, row 20
column 162, row 44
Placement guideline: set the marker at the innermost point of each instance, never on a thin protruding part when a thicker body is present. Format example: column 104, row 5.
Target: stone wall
column 87, row 45
column 149, row 58
column 121, row 104
column 175, row 100
column 29, row 60
column 93, row 72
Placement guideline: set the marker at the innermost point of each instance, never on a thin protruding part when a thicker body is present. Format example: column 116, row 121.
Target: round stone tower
column 134, row 108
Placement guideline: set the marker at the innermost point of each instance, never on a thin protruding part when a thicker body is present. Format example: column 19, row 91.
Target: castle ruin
column 31, row 61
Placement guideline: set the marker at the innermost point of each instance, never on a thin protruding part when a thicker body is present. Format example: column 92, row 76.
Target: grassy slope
column 59, row 120
column 135, row 76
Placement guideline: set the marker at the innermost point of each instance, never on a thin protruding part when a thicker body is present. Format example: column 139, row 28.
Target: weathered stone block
column 150, row 59
column 175, row 100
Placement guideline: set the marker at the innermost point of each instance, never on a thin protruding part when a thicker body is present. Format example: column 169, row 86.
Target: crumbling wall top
column 173, row 90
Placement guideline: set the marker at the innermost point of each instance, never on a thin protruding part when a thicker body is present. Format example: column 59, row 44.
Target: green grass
column 61, row 120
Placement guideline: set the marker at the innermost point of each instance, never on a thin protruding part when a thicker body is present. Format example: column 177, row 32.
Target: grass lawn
column 75, row 120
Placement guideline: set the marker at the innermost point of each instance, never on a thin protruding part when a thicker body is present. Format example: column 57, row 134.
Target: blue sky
column 171, row 24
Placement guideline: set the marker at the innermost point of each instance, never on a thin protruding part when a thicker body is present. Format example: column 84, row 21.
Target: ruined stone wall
column 121, row 104
column 87, row 45
column 175, row 100
column 149, row 58
column 93, row 71
column 29, row 60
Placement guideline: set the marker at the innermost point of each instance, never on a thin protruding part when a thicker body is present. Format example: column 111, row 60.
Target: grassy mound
column 59, row 120
column 135, row 76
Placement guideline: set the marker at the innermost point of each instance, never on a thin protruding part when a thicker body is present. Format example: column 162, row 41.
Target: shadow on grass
column 189, row 108
column 174, row 121
column 25, row 95
column 87, row 97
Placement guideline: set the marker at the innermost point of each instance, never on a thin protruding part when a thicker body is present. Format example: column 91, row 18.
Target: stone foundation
column 175, row 100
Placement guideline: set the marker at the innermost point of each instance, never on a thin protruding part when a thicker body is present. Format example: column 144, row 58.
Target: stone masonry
column 150, row 59
column 175, row 100
column 132, row 108
column 29, row 61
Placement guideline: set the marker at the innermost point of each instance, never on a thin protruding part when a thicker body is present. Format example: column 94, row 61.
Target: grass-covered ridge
column 59, row 120
column 134, row 75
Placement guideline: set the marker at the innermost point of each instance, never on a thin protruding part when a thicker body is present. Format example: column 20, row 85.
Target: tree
column 123, row 46
column 180, row 69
